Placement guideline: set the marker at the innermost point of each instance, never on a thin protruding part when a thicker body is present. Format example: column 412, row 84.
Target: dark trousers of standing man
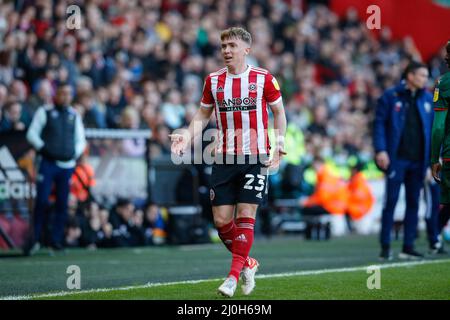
column 409, row 173
column 432, row 197
column 49, row 174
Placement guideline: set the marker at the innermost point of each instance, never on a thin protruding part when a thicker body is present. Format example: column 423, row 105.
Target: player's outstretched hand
column 179, row 144
column 435, row 170
column 274, row 162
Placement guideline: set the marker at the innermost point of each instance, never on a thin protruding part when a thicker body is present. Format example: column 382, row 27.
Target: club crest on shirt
column 252, row 87
column 71, row 117
column 398, row 106
column 427, row 107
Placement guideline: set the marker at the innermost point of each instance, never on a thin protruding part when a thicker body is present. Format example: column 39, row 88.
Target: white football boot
column 228, row 287
column 248, row 276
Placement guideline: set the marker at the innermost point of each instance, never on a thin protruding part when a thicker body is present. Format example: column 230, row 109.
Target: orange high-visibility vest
column 331, row 192
column 361, row 198
column 85, row 172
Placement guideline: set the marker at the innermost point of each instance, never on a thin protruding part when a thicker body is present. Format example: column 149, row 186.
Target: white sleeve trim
column 80, row 137
column 37, row 125
column 276, row 101
column 204, row 105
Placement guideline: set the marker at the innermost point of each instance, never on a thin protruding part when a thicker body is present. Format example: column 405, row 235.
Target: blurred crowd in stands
column 93, row 226
column 140, row 64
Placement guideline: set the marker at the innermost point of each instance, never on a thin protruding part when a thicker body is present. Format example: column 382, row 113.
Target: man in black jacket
column 57, row 133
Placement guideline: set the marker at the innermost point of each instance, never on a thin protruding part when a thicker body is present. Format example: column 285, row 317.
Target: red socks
column 226, row 234
column 238, row 240
column 241, row 245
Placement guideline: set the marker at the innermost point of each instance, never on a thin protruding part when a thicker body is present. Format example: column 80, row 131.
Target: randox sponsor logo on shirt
column 13, row 184
column 237, row 104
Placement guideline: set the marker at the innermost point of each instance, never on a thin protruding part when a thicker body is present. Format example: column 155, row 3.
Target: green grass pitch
column 334, row 269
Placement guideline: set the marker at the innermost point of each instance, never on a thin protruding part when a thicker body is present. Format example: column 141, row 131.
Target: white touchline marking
column 262, row 276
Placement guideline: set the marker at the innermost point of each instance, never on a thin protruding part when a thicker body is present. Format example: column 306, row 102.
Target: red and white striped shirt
column 240, row 103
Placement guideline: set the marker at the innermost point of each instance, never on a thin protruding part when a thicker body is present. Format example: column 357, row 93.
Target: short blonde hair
column 237, row 33
column 129, row 114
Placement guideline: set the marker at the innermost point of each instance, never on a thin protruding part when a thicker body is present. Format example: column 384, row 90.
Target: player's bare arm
column 180, row 142
column 279, row 123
